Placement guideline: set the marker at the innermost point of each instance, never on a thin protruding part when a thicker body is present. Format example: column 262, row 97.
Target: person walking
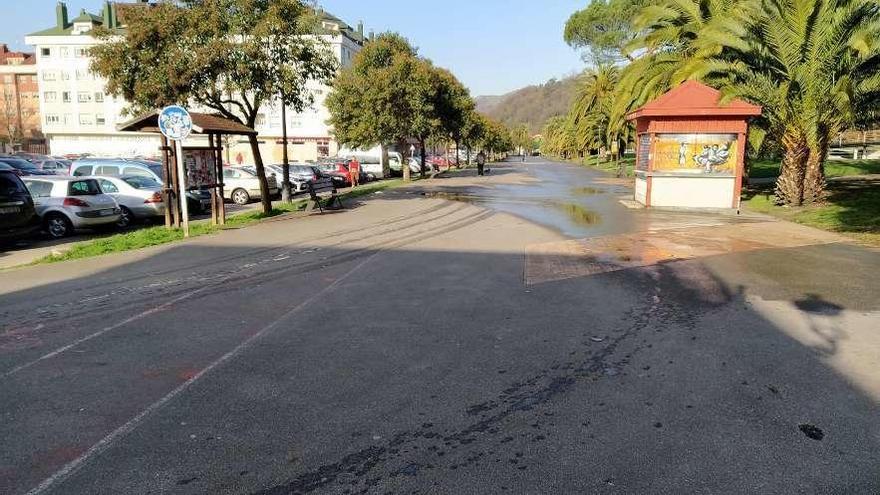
column 354, row 169
column 481, row 162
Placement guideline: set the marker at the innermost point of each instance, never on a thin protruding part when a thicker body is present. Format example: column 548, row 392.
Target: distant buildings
column 79, row 117
column 19, row 101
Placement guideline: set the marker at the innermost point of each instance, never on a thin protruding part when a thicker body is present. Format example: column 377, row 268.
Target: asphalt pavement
column 447, row 338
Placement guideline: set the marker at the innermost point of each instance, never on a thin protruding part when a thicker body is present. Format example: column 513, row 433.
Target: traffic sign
column 175, row 123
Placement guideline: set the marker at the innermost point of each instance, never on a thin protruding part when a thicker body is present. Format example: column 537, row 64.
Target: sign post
column 175, row 123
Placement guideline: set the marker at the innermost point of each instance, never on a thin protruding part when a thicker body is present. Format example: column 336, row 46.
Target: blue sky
column 493, row 46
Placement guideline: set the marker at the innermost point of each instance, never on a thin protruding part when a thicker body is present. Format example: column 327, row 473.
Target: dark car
column 23, row 167
column 18, row 218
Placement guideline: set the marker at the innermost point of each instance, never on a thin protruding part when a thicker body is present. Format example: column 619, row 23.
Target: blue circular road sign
column 175, row 123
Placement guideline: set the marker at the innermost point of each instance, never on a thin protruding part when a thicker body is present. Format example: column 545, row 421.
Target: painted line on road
column 104, row 330
column 95, row 450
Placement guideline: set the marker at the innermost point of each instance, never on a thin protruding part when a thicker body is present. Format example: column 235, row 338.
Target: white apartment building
column 78, row 117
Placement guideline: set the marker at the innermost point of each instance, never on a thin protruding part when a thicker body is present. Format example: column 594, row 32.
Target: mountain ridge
column 531, row 105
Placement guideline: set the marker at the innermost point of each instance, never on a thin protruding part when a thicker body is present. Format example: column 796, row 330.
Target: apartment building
column 19, row 101
column 79, row 117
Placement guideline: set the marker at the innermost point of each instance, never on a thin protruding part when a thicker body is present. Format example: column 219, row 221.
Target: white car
column 241, row 185
column 65, row 204
column 138, row 197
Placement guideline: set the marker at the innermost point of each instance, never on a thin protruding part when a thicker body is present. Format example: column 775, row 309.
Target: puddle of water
column 580, row 215
column 584, row 191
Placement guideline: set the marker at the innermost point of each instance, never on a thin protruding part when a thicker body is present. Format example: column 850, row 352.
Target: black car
column 23, row 167
column 18, row 218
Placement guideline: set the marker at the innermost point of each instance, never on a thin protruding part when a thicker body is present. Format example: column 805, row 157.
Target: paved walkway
column 408, row 344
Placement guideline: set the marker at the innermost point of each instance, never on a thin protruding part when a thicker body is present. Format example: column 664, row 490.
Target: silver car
column 138, row 197
column 298, row 184
column 65, row 204
column 241, row 185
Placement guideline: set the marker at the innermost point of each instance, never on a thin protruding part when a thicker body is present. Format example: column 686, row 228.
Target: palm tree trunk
column 814, row 180
column 790, row 184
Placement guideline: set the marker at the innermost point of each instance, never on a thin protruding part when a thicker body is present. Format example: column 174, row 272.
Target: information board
column 200, row 167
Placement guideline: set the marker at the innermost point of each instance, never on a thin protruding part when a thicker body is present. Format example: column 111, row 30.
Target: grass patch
column 833, row 168
column 154, row 236
column 629, row 164
column 851, row 208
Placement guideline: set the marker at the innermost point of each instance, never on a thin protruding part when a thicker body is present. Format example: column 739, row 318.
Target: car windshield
column 87, row 187
column 19, row 163
column 156, row 169
column 249, row 170
column 139, row 182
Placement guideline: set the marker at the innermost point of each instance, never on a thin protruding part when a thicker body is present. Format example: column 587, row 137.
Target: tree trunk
column 286, row 196
column 814, row 179
column 790, row 184
column 423, row 155
column 404, row 166
column 261, row 175
column 468, row 159
column 457, row 153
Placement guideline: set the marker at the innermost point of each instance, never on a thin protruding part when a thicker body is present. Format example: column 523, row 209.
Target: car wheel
column 126, row 218
column 240, row 197
column 58, row 226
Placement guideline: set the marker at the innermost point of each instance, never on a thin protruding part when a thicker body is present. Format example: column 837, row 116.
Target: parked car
column 337, row 170
column 53, row 165
column 297, row 183
column 18, row 216
column 66, row 204
column 23, row 167
column 138, row 197
column 31, row 157
column 198, row 201
column 241, row 184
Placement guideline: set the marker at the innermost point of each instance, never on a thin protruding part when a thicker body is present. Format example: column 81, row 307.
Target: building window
column 50, row 96
column 79, row 52
column 45, row 52
column 99, row 97
column 84, row 97
column 48, row 75
column 86, row 119
column 52, row 119
column 260, row 121
column 81, row 74
column 63, row 52
column 99, row 119
column 65, row 96
column 65, row 76
column 68, row 119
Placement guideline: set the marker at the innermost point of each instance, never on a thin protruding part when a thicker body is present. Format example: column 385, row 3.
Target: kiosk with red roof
column 691, row 148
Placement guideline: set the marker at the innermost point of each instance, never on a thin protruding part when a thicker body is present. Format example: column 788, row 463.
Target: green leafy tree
column 454, row 106
column 231, row 56
column 604, row 29
column 388, row 96
column 590, row 116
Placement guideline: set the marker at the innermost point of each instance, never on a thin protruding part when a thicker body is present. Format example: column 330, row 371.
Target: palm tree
column 814, row 65
column 590, row 112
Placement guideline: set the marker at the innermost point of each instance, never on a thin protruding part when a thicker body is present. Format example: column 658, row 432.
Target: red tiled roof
column 693, row 98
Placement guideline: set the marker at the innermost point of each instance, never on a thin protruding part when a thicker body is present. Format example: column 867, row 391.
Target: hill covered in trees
column 532, row 105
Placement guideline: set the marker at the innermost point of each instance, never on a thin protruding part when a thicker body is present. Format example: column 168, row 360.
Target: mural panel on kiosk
column 700, row 154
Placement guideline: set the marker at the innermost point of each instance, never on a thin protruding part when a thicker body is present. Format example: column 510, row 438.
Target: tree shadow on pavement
column 431, row 370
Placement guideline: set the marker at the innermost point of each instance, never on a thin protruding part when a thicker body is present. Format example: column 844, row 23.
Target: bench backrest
column 322, row 186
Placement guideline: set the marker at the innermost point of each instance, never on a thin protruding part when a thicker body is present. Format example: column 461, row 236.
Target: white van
column 377, row 160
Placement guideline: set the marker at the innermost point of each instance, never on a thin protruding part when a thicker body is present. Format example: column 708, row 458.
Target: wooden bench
column 322, row 188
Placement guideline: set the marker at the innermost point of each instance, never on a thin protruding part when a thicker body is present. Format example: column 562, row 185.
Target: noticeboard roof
column 695, row 99
column 203, row 123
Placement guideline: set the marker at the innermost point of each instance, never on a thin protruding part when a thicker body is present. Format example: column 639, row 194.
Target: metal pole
column 181, row 188
column 285, row 167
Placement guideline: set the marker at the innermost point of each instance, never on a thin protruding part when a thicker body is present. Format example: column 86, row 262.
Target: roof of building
column 693, row 98
column 97, row 20
column 23, row 58
column 203, row 123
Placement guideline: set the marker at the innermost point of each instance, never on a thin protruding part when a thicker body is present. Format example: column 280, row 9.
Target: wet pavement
column 410, row 344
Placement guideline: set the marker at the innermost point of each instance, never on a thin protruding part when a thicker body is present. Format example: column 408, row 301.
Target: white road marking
column 105, row 443
column 104, row 330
